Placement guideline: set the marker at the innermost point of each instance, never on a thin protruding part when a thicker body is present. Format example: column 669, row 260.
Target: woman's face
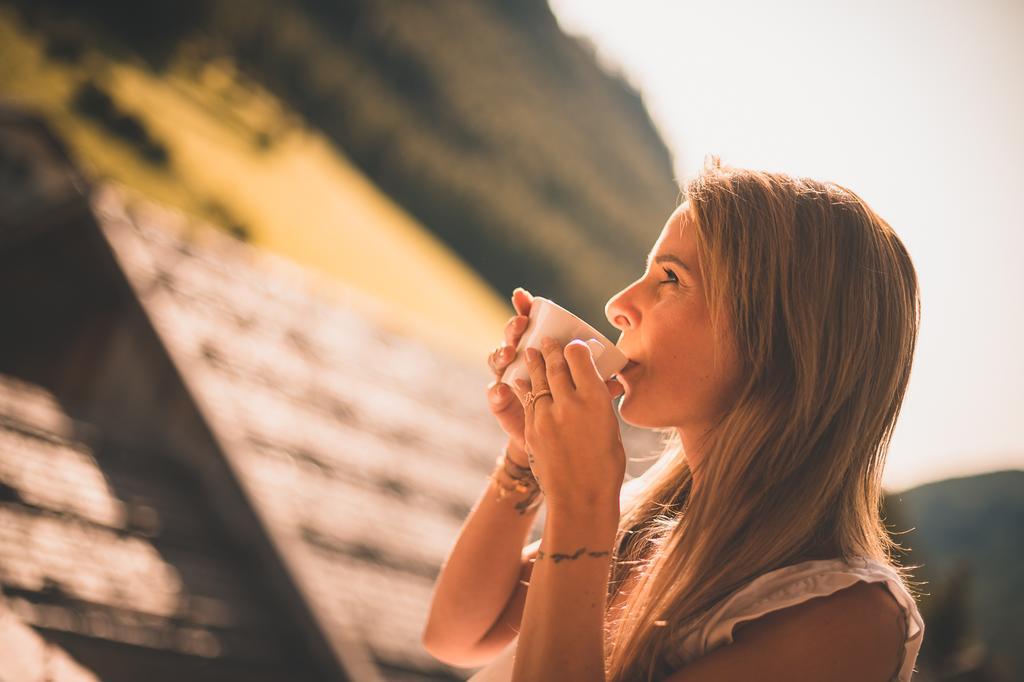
column 666, row 331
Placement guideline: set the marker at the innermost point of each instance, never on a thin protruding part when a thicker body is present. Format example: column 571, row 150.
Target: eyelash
column 675, row 277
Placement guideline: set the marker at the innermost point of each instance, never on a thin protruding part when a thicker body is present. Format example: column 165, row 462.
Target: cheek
column 687, row 360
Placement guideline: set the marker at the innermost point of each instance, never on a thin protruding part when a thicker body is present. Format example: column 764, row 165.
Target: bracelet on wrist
column 514, row 470
column 512, row 460
column 519, row 482
column 534, row 495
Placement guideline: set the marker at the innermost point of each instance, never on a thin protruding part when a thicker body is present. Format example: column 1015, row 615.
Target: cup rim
column 600, row 337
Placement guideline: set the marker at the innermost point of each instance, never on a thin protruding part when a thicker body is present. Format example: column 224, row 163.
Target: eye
column 672, row 275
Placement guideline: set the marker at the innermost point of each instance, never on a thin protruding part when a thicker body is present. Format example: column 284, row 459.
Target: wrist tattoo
column 529, row 504
column 575, row 555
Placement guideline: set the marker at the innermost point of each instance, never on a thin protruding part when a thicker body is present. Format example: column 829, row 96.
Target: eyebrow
column 669, row 258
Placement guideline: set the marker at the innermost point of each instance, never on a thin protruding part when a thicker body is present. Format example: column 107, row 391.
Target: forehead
column 677, row 235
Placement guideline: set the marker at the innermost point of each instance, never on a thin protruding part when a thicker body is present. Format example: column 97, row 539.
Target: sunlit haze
column 916, row 106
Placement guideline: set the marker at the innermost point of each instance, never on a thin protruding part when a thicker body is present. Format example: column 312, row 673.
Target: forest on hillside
column 964, row 533
column 498, row 132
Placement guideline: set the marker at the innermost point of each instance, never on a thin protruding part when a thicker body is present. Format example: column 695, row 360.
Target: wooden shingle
column 112, row 545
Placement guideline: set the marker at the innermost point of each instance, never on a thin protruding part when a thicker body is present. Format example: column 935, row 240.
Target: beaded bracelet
column 527, row 504
column 524, row 479
column 520, row 472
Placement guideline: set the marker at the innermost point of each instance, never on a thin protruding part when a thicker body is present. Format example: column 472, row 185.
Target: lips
column 628, row 366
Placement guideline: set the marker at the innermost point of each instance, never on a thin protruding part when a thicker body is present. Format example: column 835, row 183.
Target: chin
column 633, row 414
column 628, row 412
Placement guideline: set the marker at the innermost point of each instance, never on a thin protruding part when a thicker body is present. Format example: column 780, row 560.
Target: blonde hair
column 821, row 300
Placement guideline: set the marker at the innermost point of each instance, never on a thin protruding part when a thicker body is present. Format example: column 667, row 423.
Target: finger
column 557, row 371
column 582, row 368
column 496, row 360
column 500, row 358
column 522, row 300
column 520, row 388
column 499, row 395
column 535, row 366
column 514, row 330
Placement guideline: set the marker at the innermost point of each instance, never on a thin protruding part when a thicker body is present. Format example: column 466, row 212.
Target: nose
column 621, row 311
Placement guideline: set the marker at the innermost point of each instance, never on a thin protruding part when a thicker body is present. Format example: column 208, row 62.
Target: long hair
column 822, row 303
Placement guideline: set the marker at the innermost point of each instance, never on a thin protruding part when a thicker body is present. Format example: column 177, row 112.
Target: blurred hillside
column 967, row 534
column 491, row 128
column 191, row 138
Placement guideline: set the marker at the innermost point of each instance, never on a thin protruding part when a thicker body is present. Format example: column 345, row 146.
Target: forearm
column 482, row 569
column 562, row 632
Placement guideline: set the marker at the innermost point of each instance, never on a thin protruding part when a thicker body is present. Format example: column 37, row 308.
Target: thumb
column 498, row 394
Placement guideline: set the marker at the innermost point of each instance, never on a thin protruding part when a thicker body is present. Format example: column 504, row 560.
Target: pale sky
column 918, row 107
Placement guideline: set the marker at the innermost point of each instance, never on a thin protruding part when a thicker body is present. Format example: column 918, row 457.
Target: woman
column 771, row 338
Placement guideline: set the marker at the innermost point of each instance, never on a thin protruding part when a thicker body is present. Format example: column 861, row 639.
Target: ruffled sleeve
column 793, row 585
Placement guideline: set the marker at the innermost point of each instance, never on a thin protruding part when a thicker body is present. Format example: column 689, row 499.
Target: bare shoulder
column 860, row 610
column 856, row 633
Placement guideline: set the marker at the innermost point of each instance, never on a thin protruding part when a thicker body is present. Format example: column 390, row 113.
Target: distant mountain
column 498, row 132
column 974, row 524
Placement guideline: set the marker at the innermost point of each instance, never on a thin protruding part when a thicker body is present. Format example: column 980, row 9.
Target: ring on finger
column 493, row 359
column 531, row 397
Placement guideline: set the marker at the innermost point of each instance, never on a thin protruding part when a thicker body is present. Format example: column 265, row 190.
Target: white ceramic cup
column 547, row 318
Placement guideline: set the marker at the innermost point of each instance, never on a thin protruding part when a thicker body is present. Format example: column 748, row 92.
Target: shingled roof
column 226, row 465
column 361, row 451
column 100, row 542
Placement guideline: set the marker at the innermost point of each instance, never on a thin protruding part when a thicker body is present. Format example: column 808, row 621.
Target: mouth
column 628, row 366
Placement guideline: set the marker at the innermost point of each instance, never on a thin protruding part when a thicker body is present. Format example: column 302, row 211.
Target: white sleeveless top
column 774, row 590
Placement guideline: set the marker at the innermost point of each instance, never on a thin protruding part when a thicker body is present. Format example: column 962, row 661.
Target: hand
column 572, row 434
column 500, row 398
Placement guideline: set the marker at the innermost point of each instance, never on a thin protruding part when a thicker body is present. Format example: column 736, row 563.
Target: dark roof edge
column 347, row 660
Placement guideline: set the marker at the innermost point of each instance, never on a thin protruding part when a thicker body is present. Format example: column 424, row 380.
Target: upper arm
column 855, row 634
column 506, row 627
